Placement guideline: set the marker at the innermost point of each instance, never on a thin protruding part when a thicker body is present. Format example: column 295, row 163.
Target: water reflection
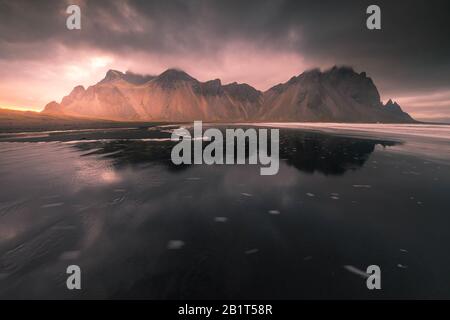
column 139, row 229
column 327, row 154
column 126, row 152
column 308, row 152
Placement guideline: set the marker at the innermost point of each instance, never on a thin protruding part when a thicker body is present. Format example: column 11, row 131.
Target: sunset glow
column 221, row 158
column 261, row 50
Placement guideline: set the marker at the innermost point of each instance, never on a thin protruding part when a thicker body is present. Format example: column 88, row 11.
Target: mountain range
column 338, row 94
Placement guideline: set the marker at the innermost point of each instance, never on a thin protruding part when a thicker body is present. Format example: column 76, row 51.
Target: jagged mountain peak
column 78, row 88
column 343, row 70
column 335, row 73
column 240, row 85
column 175, row 74
column 392, row 106
column 390, row 102
column 209, row 88
column 215, row 82
column 112, row 75
column 336, row 94
column 306, row 75
column 243, row 91
column 128, row 76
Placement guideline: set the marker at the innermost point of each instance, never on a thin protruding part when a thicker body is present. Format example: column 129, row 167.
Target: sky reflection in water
column 140, row 227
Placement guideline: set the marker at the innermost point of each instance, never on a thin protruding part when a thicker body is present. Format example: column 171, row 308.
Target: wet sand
column 112, row 202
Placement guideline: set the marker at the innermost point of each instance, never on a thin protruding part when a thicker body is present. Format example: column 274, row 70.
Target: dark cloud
column 410, row 53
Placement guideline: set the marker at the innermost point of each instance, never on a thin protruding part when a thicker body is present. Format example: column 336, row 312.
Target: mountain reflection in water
column 112, row 202
column 308, row 152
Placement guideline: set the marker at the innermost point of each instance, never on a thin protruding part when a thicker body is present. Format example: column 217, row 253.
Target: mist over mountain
column 336, row 95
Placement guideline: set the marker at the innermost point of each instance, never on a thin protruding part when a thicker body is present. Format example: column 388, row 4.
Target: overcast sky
column 258, row 42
